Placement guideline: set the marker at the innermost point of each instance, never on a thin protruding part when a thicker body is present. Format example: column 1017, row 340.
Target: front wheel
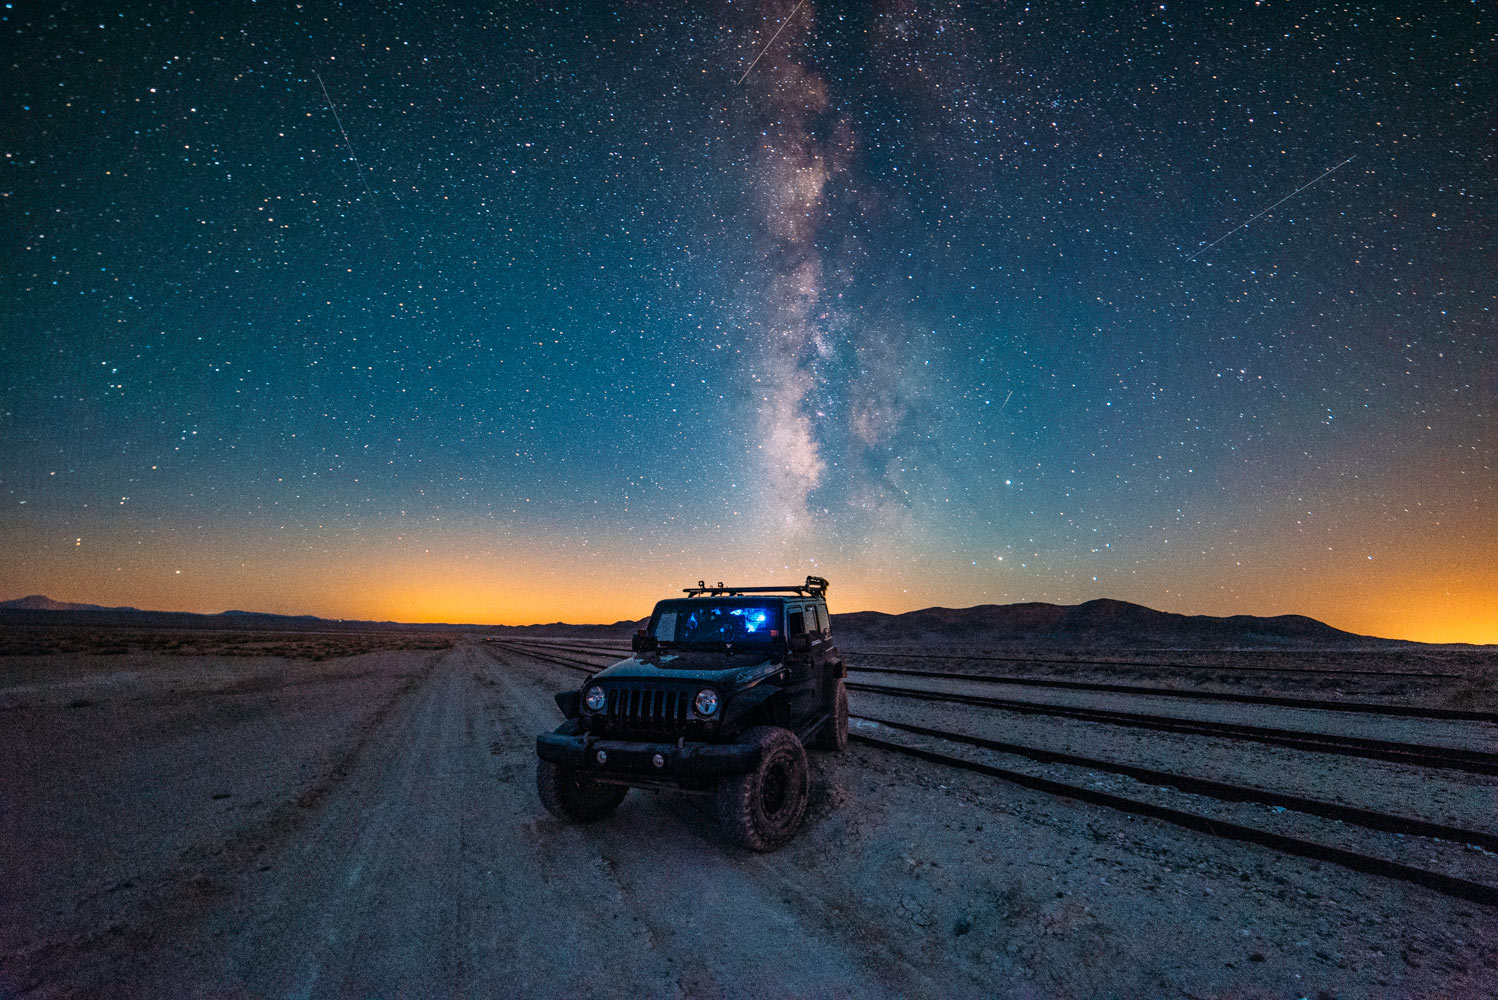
column 572, row 798
column 834, row 732
column 763, row 809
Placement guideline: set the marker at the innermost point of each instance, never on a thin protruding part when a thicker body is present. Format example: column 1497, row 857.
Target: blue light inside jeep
column 754, row 618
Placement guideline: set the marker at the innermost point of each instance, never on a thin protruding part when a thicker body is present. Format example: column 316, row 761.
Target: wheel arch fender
column 759, row 698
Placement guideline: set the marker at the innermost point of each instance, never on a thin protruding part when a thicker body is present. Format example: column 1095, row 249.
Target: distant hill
column 1095, row 623
column 620, row 630
column 40, row 602
column 41, row 610
column 38, row 609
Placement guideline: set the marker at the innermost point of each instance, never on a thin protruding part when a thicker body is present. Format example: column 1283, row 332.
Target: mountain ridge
column 1103, row 621
column 41, row 602
column 1099, row 622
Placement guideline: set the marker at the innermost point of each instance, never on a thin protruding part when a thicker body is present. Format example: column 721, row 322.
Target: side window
column 795, row 621
column 822, row 622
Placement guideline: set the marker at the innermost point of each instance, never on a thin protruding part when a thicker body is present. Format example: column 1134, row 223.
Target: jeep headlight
column 594, row 699
column 706, row 702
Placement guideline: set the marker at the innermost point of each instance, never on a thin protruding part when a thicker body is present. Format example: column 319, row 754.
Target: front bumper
column 627, row 758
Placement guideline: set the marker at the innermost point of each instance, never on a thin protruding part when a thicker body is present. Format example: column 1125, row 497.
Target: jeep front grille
column 648, row 710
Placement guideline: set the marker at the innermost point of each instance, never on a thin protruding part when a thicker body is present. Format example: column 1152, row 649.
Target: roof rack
column 815, row 586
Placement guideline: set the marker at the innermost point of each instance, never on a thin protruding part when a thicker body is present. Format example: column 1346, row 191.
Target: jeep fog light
column 707, row 701
column 594, row 699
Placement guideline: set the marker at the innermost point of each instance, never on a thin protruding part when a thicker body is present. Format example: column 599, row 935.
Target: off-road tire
column 572, row 798
column 834, row 732
column 763, row 809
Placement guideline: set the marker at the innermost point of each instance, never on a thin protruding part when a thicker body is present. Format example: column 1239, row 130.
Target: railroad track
column 1415, row 754
column 1318, row 704
column 1226, row 791
column 1411, row 754
column 1450, row 885
column 1156, row 664
column 1315, row 704
column 1063, row 661
column 544, row 652
column 583, row 645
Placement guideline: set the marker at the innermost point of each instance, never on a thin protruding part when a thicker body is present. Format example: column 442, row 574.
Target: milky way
column 952, row 303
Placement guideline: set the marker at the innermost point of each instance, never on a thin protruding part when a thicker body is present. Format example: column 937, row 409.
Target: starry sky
column 426, row 312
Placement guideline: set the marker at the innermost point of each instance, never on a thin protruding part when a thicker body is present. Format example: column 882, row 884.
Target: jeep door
column 822, row 649
column 803, row 685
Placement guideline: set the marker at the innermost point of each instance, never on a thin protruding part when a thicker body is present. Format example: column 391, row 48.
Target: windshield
column 687, row 623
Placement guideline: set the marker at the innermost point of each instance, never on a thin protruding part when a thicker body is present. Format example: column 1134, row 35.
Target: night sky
column 409, row 311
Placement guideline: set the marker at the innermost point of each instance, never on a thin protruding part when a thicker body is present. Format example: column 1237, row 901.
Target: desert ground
column 335, row 817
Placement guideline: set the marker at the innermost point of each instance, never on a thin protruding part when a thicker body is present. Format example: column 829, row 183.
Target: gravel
column 369, row 825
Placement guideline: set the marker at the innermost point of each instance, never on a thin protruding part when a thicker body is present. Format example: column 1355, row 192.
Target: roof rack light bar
column 815, row 586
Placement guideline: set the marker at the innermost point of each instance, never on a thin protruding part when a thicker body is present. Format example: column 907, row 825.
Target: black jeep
column 725, row 687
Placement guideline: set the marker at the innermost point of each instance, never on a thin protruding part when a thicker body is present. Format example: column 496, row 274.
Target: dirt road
column 369, row 827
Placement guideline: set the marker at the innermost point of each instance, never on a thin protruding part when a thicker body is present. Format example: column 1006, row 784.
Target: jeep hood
column 736, row 671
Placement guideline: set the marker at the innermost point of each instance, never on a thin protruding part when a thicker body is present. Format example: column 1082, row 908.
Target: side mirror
column 642, row 642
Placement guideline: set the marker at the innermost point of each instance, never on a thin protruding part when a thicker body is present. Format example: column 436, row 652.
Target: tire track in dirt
column 116, row 954
column 558, row 922
column 365, row 897
column 720, row 910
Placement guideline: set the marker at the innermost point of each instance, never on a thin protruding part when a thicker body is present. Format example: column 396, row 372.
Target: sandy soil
column 363, row 826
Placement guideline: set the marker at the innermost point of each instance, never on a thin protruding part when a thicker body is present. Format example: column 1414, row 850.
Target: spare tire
column 763, row 809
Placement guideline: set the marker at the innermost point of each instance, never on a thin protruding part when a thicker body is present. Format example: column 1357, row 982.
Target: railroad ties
column 587, row 656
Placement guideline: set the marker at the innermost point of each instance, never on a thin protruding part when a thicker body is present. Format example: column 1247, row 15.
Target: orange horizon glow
column 455, row 599
column 1396, row 591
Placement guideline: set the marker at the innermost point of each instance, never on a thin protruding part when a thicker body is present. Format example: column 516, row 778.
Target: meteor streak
column 767, row 44
column 352, row 155
column 1266, row 211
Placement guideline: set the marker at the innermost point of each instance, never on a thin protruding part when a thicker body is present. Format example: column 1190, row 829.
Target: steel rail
column 1151, row 663
column 1227, row 791
column 548, row 658
column 1449, row 885
column 1411, row 754
column 566, row 647
column 1417, row 754
column 1318, row 704
column 558, row 643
